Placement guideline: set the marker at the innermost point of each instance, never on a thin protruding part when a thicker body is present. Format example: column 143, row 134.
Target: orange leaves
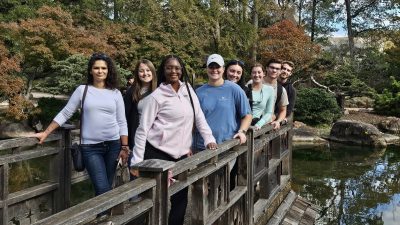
column 11, row 86
column 286, row 41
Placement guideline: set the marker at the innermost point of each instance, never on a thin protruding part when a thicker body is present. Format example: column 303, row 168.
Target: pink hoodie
column 167, row 122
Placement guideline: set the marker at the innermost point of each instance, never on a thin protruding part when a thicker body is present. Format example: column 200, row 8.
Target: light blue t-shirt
column 263, row 104
column 224, row 107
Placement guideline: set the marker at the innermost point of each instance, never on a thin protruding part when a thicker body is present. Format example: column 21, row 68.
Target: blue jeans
column 101, row 161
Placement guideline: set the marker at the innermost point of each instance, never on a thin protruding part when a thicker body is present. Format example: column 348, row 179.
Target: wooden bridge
column 262, row 194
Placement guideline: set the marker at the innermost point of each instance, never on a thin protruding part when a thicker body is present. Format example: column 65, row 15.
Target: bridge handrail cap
column 154, row 165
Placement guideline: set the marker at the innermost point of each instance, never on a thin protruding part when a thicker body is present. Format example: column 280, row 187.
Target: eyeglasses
column 235, row 61
column 99, row 56
column 274, row 68
column 286, row 69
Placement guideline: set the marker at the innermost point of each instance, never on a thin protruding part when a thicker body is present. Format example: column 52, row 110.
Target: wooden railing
column 263, row 180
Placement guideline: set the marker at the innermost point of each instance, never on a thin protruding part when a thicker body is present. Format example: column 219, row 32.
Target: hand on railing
column 41, row 136
column 242, row 137
column 134, row 172
column 212, row 146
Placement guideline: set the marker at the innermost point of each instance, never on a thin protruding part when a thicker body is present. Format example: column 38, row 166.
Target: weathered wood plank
column 236, row 194
column 132, row 211
column 265, row 138
column 32, row 192
column 199, row 202
column 26, row 155
column 4, row 173
column 79, row 177
column 280, row 213
column 203, row 156
column 79, row 213
column 204, row 171
column 154, row 165
column 23, row 142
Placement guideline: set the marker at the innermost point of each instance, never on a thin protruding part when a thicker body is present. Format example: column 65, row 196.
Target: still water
column 352, row 185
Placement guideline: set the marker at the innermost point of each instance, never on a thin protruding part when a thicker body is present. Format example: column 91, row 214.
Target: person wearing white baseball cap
column 215, row 58
column 224, row 104
column 225, row 107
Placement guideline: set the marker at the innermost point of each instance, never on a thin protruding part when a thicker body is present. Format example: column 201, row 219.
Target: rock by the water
column 15, row 129
column 305, row 134
column 390, row 125
column 356, row 132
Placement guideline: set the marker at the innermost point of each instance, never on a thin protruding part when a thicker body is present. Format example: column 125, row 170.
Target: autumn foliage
column 11, row 86
column 285, row 40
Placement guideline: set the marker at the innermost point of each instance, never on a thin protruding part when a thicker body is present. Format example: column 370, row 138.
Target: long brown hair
column 138, row 83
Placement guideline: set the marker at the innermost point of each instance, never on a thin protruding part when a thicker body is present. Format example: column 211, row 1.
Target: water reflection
column 352, row 185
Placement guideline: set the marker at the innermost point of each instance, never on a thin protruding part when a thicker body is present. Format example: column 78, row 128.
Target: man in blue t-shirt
column 224, row 104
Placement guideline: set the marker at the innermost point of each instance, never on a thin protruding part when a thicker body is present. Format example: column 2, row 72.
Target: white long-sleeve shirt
column 103, row 116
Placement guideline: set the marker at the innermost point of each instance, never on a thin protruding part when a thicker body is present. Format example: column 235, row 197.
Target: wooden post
column 62, row 166
column 4, row 172
column 200, row 201
column 246, row 178
column 158, row 169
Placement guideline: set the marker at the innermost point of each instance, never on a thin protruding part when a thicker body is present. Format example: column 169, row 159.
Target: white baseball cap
column 215, row 58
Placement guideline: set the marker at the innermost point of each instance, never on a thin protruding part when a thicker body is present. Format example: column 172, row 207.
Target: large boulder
column 390, row 125
column 15, row 129
column 303, row 135
column 356, row 132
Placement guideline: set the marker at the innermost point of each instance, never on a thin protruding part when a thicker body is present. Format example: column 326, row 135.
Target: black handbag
column 76, row 151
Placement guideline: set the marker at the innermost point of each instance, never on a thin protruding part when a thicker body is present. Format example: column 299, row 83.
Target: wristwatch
column 242, row 131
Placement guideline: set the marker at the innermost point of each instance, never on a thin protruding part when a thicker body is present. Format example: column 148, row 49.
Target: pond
column 352, row 185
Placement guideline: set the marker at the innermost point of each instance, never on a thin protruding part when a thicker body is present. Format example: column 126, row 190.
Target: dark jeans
column 180, row 199
column 101, row 161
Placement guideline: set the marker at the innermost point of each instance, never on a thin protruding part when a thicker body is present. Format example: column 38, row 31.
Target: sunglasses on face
column 99, row 56
column 234, row 62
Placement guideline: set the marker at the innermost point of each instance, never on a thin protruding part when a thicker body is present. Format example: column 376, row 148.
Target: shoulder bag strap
column 81, row 120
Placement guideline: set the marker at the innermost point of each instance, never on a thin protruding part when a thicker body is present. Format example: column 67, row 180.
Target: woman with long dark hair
column 104, row 129
column 166, row 125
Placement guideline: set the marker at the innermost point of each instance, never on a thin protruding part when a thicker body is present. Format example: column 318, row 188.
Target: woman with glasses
column 166, row 125
column 263, row 98
column 104, row 129
column 134, row 99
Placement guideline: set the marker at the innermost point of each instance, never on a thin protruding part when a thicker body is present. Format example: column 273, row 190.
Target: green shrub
column 388, row 103
column 315, row 106
column 49, row 108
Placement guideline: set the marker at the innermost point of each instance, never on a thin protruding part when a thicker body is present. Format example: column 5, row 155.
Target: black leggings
column 180, row 199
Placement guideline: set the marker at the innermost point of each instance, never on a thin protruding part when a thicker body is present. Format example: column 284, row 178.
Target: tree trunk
column 255, row 25
column 29, row 85
column 116, row 10
column 300, row 9
column 314, row 9
column 349, row 28
column 217, row 35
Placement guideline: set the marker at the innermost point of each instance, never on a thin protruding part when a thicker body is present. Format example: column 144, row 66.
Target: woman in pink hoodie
column 166, row 125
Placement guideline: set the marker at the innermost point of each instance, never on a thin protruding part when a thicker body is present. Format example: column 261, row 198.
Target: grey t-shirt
column 104, row 114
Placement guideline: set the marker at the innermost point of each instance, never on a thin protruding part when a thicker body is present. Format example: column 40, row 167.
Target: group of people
column 161, row 116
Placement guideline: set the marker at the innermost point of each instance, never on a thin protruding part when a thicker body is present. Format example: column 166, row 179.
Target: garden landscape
column 346, row 134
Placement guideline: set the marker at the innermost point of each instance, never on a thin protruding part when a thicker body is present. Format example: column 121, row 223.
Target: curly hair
column 111, row 81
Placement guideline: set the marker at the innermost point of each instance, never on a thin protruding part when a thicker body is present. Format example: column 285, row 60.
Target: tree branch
column 320, row 85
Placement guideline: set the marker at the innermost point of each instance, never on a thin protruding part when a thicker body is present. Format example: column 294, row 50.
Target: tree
column 284, row 40
column 50, row 37
column 11, row 86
